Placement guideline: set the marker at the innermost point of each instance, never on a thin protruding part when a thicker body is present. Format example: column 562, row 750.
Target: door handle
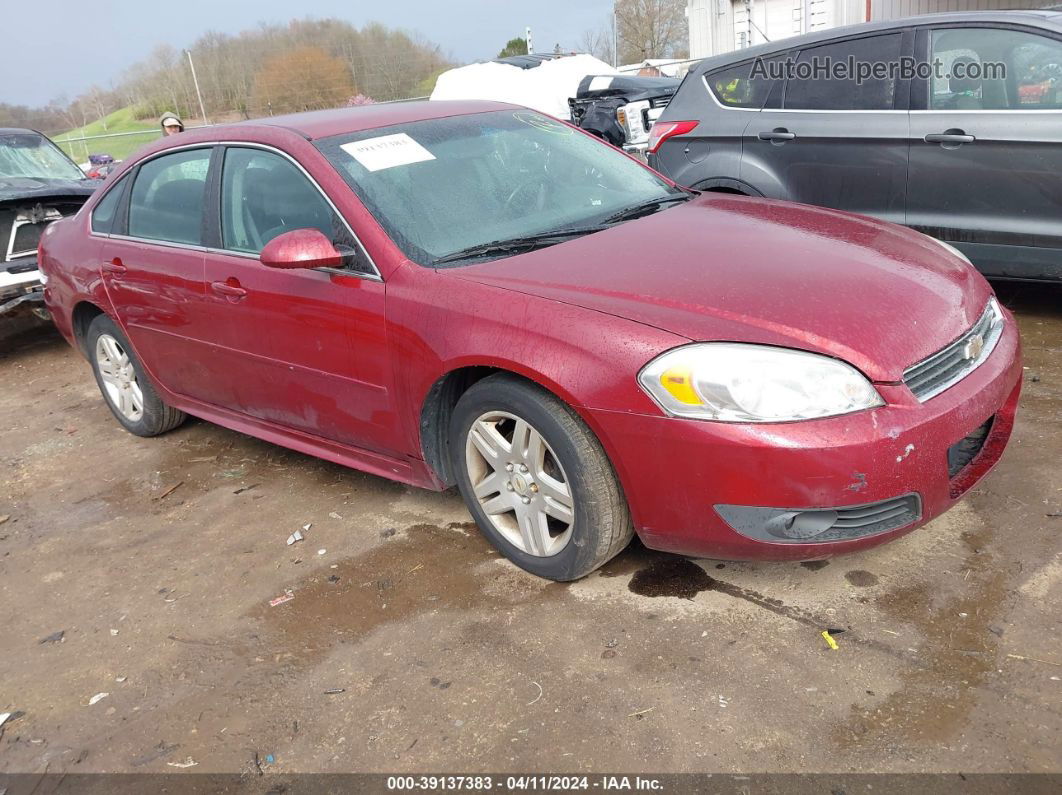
column 228, row 290
column 777, row 135
column 115, row 266
column 950, row 137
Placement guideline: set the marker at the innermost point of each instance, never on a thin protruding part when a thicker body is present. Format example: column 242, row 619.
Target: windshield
column 448, row 185
column 32, row 155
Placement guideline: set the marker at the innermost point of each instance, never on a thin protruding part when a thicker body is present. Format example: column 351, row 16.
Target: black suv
column 965, row 144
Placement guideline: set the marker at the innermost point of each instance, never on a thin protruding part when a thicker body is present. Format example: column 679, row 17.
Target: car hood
column 12, row 188
column 720, row 267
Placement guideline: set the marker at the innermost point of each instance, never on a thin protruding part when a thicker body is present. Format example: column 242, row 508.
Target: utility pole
column 615, row 37
column 527, row 35
column 195, row 80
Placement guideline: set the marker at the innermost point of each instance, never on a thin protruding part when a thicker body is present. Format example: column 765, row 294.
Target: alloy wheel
column 520, row 483
column 119, row 378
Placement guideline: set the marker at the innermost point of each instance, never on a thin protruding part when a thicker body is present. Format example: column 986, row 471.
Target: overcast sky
column 63, row 48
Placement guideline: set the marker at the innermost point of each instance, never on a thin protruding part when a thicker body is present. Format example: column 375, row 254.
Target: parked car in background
column 621, row 109
column 969, row 156
column 616, row 107
column 39, row 184
column 99, row 166
column 479, row 295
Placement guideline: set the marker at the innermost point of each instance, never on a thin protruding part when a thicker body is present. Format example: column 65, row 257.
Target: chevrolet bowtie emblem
column 973, row 347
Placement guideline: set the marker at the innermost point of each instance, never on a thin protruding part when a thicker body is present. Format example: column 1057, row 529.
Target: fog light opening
column 801, row 524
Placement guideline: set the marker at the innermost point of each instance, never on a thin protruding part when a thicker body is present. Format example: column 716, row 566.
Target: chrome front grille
column 951, row 364
column 26, row 231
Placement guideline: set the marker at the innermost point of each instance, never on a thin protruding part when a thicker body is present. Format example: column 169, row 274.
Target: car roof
column 314, row 124
column 324, row 123
column 19, row 130
column 1036, row 17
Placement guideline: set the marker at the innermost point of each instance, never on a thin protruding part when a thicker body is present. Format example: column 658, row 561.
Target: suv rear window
column 850, row 92
column 739, row 86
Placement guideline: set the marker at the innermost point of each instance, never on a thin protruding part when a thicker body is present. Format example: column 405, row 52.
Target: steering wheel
column 528, row 195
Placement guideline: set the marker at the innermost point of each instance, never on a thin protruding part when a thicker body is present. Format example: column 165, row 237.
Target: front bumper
column 11, row 301
column 675, row 472
column 20, row 283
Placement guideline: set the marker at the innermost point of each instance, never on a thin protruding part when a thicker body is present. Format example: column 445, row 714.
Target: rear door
column 306, row 348
column 986, row 151
column 838, row 139
column 152, row 268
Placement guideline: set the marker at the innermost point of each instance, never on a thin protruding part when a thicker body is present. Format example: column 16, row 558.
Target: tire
column 576, row 517
column 122, row 380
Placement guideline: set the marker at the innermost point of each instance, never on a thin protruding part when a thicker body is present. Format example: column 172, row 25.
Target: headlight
column 735, row 382
column 950, row 248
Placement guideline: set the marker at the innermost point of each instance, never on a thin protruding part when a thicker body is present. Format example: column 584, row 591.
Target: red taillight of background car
column 662, row 130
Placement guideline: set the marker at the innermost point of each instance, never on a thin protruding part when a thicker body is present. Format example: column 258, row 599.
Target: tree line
column 318, row 63
column 275, row 68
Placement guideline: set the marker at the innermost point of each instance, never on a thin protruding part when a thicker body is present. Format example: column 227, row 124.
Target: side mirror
column 301, row 248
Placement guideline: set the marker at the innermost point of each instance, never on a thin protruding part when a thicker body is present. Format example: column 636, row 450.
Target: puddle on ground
column 424, row 569
column 860, row 578
column 957, row 654
column 815, row 565
column 672, row 576
column 659, row 574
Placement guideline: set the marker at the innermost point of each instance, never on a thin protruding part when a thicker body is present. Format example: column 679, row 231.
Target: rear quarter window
column 746, row 85
column 106, row 209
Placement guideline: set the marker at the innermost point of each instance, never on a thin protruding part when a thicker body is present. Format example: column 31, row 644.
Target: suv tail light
column 662, row 130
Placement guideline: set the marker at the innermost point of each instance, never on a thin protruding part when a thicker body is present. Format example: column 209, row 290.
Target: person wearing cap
column 171, row 124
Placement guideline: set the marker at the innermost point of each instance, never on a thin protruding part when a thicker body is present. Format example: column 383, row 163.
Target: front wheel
column 537, row 480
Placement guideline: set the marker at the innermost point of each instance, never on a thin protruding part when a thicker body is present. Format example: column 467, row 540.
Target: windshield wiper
column 554, row 236
column 646, row 208
column 523, row 243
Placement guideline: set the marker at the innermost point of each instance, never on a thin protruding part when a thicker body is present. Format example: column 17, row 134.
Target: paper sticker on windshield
column 387, row 151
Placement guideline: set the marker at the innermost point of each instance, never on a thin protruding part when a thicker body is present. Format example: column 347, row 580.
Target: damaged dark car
column 621, row 108
column 39, row 184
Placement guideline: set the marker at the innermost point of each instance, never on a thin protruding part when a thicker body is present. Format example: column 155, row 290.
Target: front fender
column 440, row 321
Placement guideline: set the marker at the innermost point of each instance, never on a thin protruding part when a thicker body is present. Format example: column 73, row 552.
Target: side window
column 264, row 195
column 104, row 211
column 743, row 86
column 994, row 69
column 826, row 90
column 167, row 198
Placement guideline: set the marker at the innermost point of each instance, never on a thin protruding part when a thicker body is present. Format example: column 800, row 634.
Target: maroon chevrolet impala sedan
column 478, row 295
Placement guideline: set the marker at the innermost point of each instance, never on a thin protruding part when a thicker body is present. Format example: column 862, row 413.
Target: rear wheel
column 536, row 479
column 126, row 389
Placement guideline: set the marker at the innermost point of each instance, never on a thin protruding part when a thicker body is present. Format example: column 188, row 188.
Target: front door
column 986, row 150
column 305, row 348
column 837, row 141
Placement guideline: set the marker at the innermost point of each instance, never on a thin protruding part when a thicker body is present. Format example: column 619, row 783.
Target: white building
column 718, row 26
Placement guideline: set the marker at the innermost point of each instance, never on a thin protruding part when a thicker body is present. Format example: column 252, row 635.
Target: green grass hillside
column 118, row 147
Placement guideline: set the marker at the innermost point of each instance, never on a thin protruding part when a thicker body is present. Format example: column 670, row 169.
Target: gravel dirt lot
column 143, row 569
